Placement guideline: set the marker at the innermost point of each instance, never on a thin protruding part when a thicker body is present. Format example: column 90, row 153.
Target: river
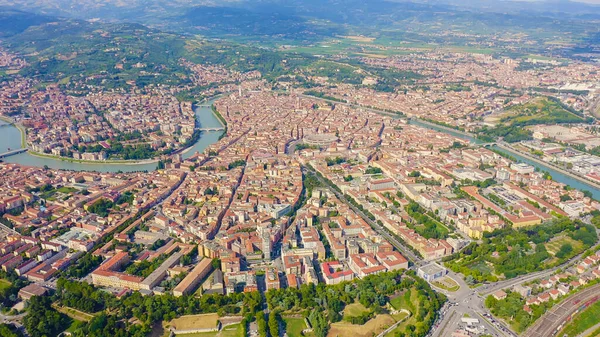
column 10, row 137
column 556, row 175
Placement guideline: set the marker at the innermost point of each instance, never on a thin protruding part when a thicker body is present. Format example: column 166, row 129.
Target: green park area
column 511, row 123
column 541, row 110
column 508, row 253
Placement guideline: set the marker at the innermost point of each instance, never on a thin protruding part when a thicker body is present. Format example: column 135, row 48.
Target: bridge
column 12, row 153
column 218, row 128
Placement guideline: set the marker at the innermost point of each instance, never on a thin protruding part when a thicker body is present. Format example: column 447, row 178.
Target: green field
column 373, row 327
column 74, row 326
column 585, row 320
column 541, row 110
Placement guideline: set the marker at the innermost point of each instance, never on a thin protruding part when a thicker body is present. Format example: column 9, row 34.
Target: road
column 553, row 320
column 466, row 302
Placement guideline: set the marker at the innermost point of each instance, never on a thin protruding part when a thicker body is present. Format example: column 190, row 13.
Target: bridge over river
column 12, row 153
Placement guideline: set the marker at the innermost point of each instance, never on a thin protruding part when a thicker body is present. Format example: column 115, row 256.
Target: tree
column 274, row 319
column 42, row 320
column 414, row 174
column 564, row 250
column 9, row 331
column 262, row 324
column 565, row 197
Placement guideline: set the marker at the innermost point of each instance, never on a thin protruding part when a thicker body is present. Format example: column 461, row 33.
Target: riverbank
column 71, row 160
column 436, row 125
column 19, row 127
column 94, row 162
column 577, row 177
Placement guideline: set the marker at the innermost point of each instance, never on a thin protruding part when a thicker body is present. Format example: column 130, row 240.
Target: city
column 162, row 183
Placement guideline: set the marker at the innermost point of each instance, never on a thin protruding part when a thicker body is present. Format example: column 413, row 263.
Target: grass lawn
column 294, row 326
column 405, row 301
column 66, row 189
column 446, row 283
column 74, row 325
column 199, row 334
column 398, row 317
column 234, row 330
column 583, row 321
column 4, row 284
column 354, row 310
column 195, row 322
column 74, row 313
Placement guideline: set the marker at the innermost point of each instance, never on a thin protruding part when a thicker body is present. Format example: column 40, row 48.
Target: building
column 188, row 284
column 499, row 295
column 432, row 272
column 107, row 275
column 522, row 168
column 214, row 283
column 334, row 272
column 31, row 290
